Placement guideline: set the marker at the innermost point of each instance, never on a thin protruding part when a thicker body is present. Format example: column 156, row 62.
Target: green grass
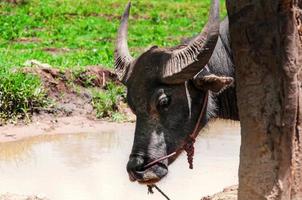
column 20, row 94
column 105, row 102
column 88, row 28
column 84, row 30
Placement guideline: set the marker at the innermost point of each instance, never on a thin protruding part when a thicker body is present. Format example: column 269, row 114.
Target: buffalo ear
column 212, row 82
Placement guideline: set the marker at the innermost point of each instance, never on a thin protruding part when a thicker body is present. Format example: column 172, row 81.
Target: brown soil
column 55, row 51
column 27, row 40
column 58, row 81
column 70, row 90
column 16, row 1
column 229, row 193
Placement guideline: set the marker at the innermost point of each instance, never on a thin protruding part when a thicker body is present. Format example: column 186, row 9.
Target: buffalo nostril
column 134, row 167
column 135, row 164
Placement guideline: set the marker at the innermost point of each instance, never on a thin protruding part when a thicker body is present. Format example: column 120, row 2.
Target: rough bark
column 266, row 40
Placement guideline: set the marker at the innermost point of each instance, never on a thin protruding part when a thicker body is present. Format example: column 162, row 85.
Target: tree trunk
column 266, row 40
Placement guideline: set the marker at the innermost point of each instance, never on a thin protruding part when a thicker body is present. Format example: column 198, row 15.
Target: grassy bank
column 73, row 34
column 20, row 95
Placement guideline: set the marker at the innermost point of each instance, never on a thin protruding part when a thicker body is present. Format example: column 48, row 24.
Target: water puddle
column 92, row 166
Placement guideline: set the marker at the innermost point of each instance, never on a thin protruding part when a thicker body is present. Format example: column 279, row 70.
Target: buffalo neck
column 226, row 104
column 222, row 64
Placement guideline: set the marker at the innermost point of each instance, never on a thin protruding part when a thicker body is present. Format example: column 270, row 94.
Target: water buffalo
column 168, row 87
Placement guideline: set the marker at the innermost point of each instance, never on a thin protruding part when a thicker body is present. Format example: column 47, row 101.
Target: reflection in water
column 92, row 166
column 22, row 150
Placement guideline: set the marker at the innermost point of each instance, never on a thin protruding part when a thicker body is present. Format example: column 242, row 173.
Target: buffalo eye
column 163, row 102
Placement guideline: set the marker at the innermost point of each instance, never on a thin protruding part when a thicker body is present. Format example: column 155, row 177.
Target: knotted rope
column 190, row 141
column 189, row 148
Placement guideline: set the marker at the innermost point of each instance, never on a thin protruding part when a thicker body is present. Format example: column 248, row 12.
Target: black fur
column 222, row 64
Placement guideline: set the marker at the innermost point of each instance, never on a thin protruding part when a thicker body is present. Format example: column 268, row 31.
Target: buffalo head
column 165, row 90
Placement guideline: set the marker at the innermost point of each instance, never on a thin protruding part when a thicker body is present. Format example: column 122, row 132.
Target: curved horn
column 122, row 57
column 182, row 64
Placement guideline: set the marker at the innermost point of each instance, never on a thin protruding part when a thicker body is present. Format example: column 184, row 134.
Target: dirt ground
column 70, row 93
column 54, row 125
column 72, row 110
column 229, row 193
column 70, row 90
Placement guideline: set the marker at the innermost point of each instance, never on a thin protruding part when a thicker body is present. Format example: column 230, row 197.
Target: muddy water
column 92, row 166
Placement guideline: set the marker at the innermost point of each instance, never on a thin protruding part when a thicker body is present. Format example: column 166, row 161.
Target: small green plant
column 118, row 117
column 105, row 102
column 20, row 94
column 87, row 80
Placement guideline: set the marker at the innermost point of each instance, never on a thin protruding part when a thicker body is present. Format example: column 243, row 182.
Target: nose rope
column 158, row 160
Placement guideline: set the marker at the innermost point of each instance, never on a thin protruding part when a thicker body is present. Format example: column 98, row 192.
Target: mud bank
column 229, row 193
column 61, row 125
column 92, row 91
column 72, row 90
